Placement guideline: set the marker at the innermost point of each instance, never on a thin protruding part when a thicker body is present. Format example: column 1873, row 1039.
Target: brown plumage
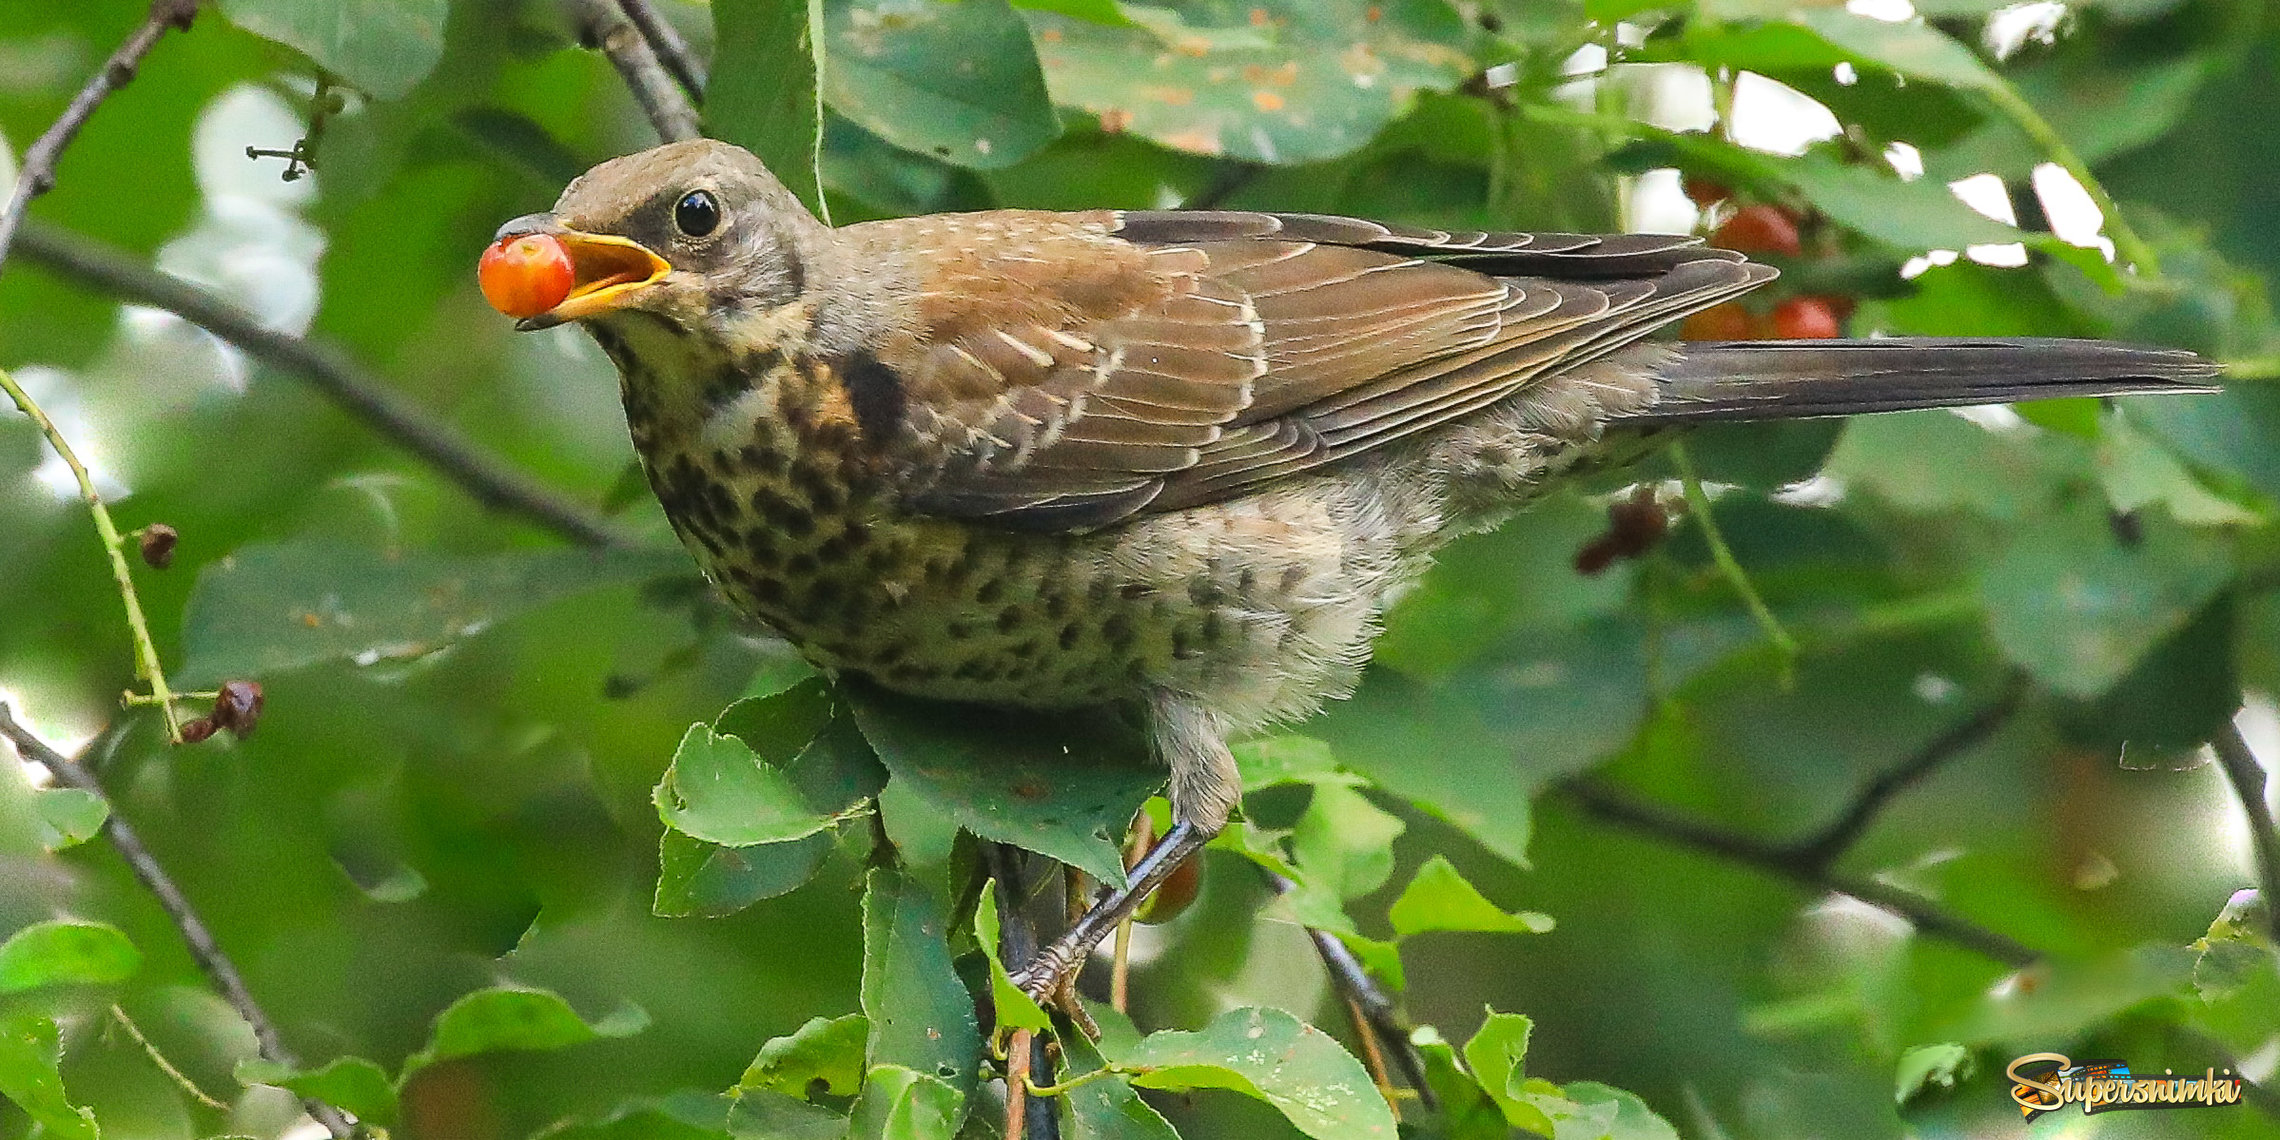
column 1175, row 459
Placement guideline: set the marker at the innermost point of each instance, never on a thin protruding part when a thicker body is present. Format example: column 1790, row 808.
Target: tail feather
column 1799, row 379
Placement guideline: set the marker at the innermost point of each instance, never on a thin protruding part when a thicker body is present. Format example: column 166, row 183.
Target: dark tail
column 1799, row 379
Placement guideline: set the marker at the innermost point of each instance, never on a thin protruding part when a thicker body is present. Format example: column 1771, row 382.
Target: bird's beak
column 607, row 270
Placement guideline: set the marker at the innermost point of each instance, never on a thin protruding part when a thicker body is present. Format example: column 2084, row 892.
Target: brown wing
column 1066, row 371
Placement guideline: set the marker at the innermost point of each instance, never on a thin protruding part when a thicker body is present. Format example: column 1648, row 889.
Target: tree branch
column 1823, row 848
column 37, row 176
column 1781, row 859
column 2248, row 781
column 604, row 26
column 671, row 49
column 360, row 393
column 1018, row 943
column 1354, row 983
column 153, row 877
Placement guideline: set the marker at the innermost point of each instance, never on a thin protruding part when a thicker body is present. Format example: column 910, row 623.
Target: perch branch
column 1355, row 985
column 671, row 49
column 604, row 27
column 2248, row 779
column 1038, row 1117
column 360, row 393
column 153, row 877
column 37, row 176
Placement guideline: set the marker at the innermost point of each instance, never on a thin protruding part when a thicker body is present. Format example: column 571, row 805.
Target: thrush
column 1179, row 460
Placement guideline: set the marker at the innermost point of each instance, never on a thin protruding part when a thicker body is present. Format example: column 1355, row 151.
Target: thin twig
column 1823, row 848
column 1354, row 983
column 1780, row 859
column 181, row 1079
column 37, row 175
column 605, row 27
column 2131, row 248
column 1373, row 1058
column 153, row 877
column 2248, row 780
column 362, row 394
column 1120, row 966
column 1018, row 943
column 1017, row 1083
column 147, row 665
column 1698, row 506
column 671, row 49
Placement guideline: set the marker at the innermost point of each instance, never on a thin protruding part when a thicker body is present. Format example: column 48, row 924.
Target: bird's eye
column 697, row 213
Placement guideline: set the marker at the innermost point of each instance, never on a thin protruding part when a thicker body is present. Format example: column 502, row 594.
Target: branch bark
column 360, row 393
column 37, row 176
column 153, row 877
column 605, row 27
column 2248, row 780
column 671, row 49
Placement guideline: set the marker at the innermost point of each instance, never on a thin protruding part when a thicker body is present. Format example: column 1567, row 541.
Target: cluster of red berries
column 1762, row 228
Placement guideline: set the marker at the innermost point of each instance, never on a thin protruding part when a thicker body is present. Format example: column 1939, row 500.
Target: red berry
column 1706, row 193
column 1176, row 894
column 1729, row 321
column 1806, row 318
column 1760, row 229
column 525, row 276
column 194, row 731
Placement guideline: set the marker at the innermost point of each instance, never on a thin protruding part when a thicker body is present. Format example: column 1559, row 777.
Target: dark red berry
column 1806, row 318
column 1760, row 229
column 1706, row 193
column 158, row 541
column 238, row 707
column 197, row 730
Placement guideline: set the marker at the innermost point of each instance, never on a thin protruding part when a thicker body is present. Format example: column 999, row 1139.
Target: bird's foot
column 1044, row 977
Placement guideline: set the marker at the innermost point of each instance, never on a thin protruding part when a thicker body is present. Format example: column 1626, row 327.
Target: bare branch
column 490, row 480
column 37, row 176
column 1354, row 983
column 1824, row 847
column 605, row 27
column 2248, row 779
column 666, row 41
column 200, row 940
column 1780, row 859
column 1018, row 942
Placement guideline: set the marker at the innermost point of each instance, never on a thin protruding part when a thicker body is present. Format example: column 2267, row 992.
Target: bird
column 1175, row 461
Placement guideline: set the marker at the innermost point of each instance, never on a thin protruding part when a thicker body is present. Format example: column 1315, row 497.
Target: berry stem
column 1698, row 506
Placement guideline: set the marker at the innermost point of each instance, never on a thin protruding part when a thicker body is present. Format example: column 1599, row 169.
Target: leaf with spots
column 1270, row 1055
column 1062, row 784
column 921, row 1016
column 279, row 606
column 958, row 82
column 1281, row 81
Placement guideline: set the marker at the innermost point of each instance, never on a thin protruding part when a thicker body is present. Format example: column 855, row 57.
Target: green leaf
column 1015, row 1009
column 763, row 93
column 1633, row 1119
column 353, row 1083
column 69, row 816
column 1924, row 1066
column 30, row 1053
column 770, row 770
column 1344, row 843
column 506, row 1019
column 382, row 47
column 1280, row 81
column 699, row 878
column 774, row 1116
column 902, row 1104
column 62, row 952
column 1270, row 1055
column 921, row 1016
column 1062, row 784
column 279, row 606
column 685, row 1115
column 829, row 1050
column 1495, row 1055
column 718, row 791
column 1107, row 1108
column 1097, row 11
column 1439, row 898
column 1473, row 747
column 958, row 82
column 1286, row 760
column 1913, row 49
column 1466, row 1112
column 2138, row 472
column 2075, row 606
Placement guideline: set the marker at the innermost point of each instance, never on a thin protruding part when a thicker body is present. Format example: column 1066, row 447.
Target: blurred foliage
column 500, row 865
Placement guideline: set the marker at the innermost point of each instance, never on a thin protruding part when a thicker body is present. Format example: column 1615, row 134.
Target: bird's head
column 692, row 232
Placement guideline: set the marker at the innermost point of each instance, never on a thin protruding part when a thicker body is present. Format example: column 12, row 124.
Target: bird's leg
column 1204, row 789
column 1041, row 977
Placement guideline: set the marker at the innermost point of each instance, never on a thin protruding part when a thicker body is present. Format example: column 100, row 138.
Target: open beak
column 607, row 270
